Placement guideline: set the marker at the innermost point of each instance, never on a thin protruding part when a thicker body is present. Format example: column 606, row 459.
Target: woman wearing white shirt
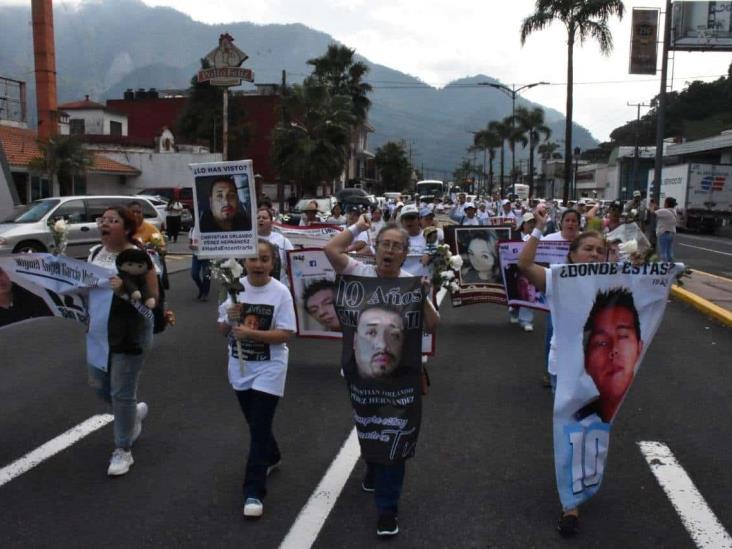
column 283, row 244
column 336, row 216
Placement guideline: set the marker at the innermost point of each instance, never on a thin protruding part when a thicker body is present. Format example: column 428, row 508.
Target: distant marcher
column 666, row 221
column 173, row 211
column 200, row 268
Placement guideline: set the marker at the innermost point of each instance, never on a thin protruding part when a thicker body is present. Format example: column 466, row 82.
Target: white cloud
column 441, row 40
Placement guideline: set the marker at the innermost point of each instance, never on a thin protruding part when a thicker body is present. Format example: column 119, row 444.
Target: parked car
column 325, row 205
column 161, row 203
column 28, row 231
column 184, row 195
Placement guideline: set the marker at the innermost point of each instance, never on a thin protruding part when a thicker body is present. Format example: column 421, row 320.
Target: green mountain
column 105, row 47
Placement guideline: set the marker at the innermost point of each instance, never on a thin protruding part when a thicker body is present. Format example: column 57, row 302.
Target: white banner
column 314, row 236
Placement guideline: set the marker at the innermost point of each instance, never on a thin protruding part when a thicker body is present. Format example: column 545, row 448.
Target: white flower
column 447, row 275
column 628, row 248
column 234, row 266
column 634, row 212
column 60, row 226
column 454, row 286
column 456, row 262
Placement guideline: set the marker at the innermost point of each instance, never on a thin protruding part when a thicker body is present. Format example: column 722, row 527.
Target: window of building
column 115, row 128
column 77, row 126
column 40, row 188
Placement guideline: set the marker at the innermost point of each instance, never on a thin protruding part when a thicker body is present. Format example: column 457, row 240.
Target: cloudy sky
column 441, row 40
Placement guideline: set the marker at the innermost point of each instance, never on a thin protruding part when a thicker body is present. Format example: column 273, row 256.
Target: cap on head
column 469, row 205
column 528, row 216
column 636, row 194
column 410, row 210
column 424, row 212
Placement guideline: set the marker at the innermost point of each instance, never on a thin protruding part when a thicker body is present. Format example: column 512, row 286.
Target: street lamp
column 577, row 154
column 512, row 92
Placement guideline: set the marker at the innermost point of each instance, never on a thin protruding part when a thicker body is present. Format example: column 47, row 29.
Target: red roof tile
column 107, row 165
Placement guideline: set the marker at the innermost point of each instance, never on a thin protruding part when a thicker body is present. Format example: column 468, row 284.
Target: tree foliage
column 62, row 157
column 393, row 164
column 531, row 122
column 582, row 19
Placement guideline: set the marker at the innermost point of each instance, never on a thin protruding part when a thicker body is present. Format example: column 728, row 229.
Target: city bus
column 431, row 187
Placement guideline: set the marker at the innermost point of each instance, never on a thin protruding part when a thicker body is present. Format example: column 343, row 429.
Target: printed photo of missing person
column 518, row 287
column 318, row 301
column 224, row 203
column 378, row 342
column 612, row 344
column 479, row 250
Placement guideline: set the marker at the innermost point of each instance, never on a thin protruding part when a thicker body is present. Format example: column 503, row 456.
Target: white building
column 89, row 118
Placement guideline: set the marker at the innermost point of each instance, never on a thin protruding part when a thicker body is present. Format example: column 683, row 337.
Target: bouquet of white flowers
column 228, row 272
column 60, row 232
column 445, row 266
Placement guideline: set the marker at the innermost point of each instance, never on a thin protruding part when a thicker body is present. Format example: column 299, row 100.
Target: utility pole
column 635, row 155
column 661, row 111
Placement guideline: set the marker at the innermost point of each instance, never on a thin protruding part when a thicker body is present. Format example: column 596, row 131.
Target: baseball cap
column 528, row 216
column 469, row 205
column 424, row 212
column 410, row 209
column 505, row 201
column 636, row 193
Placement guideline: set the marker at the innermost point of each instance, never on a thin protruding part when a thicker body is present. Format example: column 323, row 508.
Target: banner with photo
column 480, row 277
column 312, row 283
column 608, row 316
column 381, row 320
column 519, row 291
column 314, row 236
column 224, row 200
column 44, row 285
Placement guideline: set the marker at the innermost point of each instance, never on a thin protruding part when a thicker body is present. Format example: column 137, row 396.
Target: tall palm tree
column 310, row 143
column 488, row 140
column 532, row 123
column 502, row 128
column 63, row 157
column 515, row 135
column 582, row 19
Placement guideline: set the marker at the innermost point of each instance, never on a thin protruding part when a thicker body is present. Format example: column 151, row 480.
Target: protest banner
column 519, row 291
column 44, row 285
column 480, row 277
column 608, row 316
column 381, row 320
column 224, row 199
column 313, row 236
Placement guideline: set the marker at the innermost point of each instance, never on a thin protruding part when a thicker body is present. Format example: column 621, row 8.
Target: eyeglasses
column 108, row 220
column 390, row 246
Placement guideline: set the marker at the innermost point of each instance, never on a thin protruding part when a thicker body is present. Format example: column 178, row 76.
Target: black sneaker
column 387, row 525
column 568, row 525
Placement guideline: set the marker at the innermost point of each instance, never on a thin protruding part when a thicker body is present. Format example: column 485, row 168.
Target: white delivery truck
column 703, row 193
column 521, row 190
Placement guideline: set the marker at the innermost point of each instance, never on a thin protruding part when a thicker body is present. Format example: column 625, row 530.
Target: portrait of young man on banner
column 609, row 315
column 225, row 205
column 312, row 280
column 381, row 360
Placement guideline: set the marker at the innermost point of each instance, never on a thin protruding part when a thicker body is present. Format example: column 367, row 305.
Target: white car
column 28, row 230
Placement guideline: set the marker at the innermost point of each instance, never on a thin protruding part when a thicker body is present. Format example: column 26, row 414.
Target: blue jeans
column 666, row 245
column 259, row 409
column 199, row 274
column 388, row 481
column 523, row 314
column 118, row 386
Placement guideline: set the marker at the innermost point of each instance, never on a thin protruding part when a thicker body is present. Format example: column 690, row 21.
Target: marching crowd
column 403, row 239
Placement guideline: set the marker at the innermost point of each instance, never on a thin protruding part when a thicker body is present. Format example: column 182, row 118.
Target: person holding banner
column 588, row 247
column 262, row 320
column 526, row 292
column 378, row 347
column 283, row 244
column 119, row 383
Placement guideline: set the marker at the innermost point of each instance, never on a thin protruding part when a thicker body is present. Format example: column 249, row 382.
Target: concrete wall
column 97, row 122
column 161, row 170
column 8, row 198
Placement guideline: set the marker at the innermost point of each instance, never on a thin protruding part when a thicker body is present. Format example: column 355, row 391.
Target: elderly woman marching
column 392, row 246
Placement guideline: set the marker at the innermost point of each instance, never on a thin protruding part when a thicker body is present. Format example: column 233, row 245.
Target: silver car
column 28, row 230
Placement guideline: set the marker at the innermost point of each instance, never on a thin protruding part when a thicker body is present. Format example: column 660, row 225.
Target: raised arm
column 535, row 273
column 336, row 250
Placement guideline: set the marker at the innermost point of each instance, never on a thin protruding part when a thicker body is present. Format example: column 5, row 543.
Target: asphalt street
column 483, row 473
column 712, row 254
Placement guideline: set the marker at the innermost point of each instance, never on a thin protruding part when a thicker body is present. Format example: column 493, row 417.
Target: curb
column 703, row 305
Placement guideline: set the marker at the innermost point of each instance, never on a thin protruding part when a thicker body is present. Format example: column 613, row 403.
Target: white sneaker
column 528, row 327
column 253, row 508
column 142, row 410
column 120, row 462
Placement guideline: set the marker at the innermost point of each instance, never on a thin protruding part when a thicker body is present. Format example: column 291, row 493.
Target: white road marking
column 699, row 520
column 309, row 522
column 711, row 240
column 705, row 249
column 53, row 447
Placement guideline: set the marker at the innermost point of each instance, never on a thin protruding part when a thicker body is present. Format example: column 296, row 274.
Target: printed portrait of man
column 612, row 346
column 225, row 208
column 378, row 342
column 318, row 300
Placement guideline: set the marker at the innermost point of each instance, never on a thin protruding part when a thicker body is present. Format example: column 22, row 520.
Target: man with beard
column 225, row 213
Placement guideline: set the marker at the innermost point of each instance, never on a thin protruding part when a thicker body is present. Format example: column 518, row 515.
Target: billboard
column 699, row 26
column 643, row 41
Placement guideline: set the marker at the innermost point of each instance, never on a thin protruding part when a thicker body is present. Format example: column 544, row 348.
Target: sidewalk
column 710, row 294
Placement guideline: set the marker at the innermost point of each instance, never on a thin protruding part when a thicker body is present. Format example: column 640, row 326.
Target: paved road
column 712, row 254
column 482, row 477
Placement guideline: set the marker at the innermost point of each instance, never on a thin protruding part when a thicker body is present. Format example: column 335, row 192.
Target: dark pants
column 199, row 274
column 259, row 409
column 387, row 482
column 172, row 223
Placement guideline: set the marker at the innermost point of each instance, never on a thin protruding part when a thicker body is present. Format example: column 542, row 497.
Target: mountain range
column 105, row 47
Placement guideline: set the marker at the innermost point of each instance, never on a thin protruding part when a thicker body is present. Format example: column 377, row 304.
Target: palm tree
column 503, row 130
column 488, row 140
column 310, row 144
column 532, row 123
column 337, row 70
column 515, row 135
column 582, row 19
column 63, row 158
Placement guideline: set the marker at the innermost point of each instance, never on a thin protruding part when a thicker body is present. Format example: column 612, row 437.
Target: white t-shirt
column 552, row 358
column 553, row 236
column 283, row 245
column 340, row 220
column 265, row 365
column 104, row 258
column 357, row 268
column 665, row 221
column 413, row 263
column 470, row 221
